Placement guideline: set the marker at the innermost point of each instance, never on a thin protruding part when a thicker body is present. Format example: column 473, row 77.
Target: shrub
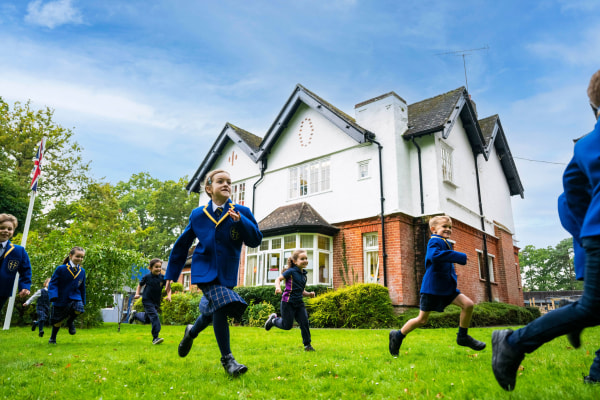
column 259, row 294
column 357, row 306
column 182, row 309
column 258, row 313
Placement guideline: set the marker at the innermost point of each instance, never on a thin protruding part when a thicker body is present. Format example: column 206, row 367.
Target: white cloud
column 52, row 14
column 585, row 51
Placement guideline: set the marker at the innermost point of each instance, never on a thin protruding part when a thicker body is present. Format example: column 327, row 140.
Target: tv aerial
column 463, row 54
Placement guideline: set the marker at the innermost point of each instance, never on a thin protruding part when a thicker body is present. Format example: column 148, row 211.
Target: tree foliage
column 550, row 268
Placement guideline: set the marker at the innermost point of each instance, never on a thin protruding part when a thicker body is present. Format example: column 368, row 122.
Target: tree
column 14, row 198
column 550, row 268
column 64, row 173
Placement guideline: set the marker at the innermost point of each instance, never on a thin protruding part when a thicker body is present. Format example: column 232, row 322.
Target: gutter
column 370, row 137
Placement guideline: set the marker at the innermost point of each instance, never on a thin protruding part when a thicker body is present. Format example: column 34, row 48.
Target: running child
column 42, row 307
column 67, row 292
column 13, row 259
column 439, row 287
column 153, row 283
column 221, row 228
column 292, row 303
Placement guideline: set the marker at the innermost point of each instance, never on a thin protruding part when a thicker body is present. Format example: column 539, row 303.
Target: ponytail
column 291, row 260
column 73, row 250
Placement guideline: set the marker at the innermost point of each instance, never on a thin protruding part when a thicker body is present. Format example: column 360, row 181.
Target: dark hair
column 155, row 261
column 73, row 250
column 291, row 260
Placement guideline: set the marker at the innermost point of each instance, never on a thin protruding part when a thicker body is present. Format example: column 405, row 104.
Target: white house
column 357, row 192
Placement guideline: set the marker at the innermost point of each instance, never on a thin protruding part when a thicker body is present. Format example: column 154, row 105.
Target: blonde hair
column 291, row 261
column 593, row 90
column 438, row 220
column 9, row 217
column 208, row 180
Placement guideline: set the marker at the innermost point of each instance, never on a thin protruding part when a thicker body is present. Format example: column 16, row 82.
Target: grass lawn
column 348, row 364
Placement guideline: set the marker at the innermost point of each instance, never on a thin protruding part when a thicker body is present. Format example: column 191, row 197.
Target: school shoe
column 231, row 366
column 132, row 317
column 590, row 381
column 52, row 341
column 308, row 347
column 72, row 329
column 158, row 340
column 574, row 338
column 270, row 320
column 395, row 343
column 468, row 341
column 505, row 359
column 33, row 326
column 41, row 334
column 186, row 343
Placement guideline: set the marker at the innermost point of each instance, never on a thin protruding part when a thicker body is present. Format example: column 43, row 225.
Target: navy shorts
column 433, row 302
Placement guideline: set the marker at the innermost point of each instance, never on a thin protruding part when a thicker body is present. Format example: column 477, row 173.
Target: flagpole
column 11, row 300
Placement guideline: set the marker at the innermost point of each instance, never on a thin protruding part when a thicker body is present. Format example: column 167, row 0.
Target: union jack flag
column 37, row 166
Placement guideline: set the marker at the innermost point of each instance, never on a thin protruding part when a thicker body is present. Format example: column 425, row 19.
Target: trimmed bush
column 182, row 309
column 357, row 306
column 258, row 313
column 259, row 294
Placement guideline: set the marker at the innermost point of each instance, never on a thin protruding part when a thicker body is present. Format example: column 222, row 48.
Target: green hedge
column 260, row 294
column 484, row 314
column 357, row 306
column 258, row 313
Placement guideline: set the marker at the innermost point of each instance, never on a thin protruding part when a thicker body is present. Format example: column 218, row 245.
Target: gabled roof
column 246, row 141
column 439, row 113
column 298, row 217
column 494, row 135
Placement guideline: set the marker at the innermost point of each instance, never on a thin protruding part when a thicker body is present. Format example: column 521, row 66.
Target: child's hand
column 168, row 290
column 277, row 290
column 24, row 292
column 25, row 305
column 235, row 216
column 312, row 294
column 137, row 296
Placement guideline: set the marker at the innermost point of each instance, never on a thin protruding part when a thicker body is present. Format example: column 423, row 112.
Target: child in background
column 439, row 287
column 221, row 228
column 42, row 307
column 292, row 303
column 67, row 292
column 13, row 259
column 153, row 283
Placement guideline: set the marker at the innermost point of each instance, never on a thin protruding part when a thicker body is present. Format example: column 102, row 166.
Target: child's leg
column 201, row 323
column 302, row 317
column 466, row 304
column 152, row 314
column 221, row 328
column 415, row 323
column 287, row 317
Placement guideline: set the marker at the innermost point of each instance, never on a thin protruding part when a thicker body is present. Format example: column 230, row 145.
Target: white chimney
column 383, row 115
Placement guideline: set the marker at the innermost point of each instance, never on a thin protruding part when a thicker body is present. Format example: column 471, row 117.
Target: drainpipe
column 420, row 175
column 370, row 137
column 263, row 167
column 488, row 284
column 424, row 227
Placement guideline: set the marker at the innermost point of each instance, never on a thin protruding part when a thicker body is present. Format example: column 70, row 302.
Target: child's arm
column 278, row 284
column 308, row 294
column 438, row 252
column 168, row 289
column 32, row 298
column 137, row 292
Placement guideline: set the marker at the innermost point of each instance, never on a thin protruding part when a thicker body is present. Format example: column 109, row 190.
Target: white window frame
column 370, row 252
column 364, row 172
column 309, row 178
column 186, row 280
column 490, row 265
column 238, row 193
column 447, row 157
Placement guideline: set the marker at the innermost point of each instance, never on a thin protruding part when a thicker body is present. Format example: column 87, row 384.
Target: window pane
column 293, row 192
column 273, row 263
column 481, row 266
column 372, row 260
column 289, row 242
column 242, row 193
column 323, row 268
column 310, row 268
column 314, row 177
column 325, row 180
column 323, row 242
column 491, row 267
column 251, row 271
column 276, row 243
column 251, row 250
column 306, row 241
column 264, row 245
column 303, row 180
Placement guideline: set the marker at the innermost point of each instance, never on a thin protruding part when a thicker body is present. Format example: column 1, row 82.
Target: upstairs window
column 363, row 169
column 238, row 193
column 447, row 163
column 309, row 178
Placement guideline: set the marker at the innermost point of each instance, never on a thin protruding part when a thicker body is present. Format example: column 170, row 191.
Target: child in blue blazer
column 67, row 292
column 579, row 209
column 13, row 259
column 439, row 287
column 221, row 228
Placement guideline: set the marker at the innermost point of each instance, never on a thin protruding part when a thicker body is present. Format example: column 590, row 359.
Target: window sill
column 492, row 282
column 451, row 184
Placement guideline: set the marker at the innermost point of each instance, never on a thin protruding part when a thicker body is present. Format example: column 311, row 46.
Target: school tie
column 219, row 211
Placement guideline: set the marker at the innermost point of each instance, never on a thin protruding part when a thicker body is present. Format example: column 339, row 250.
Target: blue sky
column 148, row 84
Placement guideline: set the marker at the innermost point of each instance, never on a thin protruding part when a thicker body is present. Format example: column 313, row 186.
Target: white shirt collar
column 214, row 206
column 4, row 244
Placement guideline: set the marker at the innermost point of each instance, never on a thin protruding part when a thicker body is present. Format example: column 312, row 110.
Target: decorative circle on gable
column 306, row 132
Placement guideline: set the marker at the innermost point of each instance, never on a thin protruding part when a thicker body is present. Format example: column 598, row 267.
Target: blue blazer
column 217, row 254
column 15, row 259
column 581, row 182
column 440, row 277
column 67, row 284
column 569, row 222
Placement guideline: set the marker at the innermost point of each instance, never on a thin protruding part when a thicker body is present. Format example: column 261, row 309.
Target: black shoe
column 132, row 317
column 574, row 338
column 33, row 325
column 591, row 381
column 158, row 340
column 72, row 329
column 186, row 343
column 395, row 343
column 308, row 347
column 232, row 367
column 468, row 341
column 505, row 360
column 52, row 341
column 41, row 334
column 269, row 323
